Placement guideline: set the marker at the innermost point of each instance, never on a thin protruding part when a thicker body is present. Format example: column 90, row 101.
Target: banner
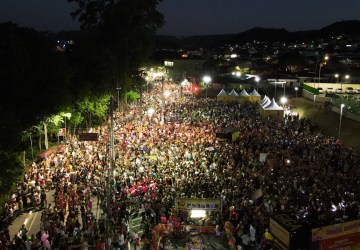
column 337, row 230
column 348, row 242
column 194, row 203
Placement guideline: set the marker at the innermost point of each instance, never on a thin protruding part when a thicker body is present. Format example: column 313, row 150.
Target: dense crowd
column 273, row 166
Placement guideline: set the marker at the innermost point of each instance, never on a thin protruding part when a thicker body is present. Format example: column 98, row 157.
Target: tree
column 123, row 27
column 93, row 109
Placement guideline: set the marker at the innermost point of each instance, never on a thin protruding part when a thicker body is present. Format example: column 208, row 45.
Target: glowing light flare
column 197, row 213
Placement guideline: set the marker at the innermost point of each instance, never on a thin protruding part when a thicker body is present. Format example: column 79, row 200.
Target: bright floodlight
column 283, row 100
column 326, row 57
column 257, row 79
column 184, row 83
column 167, row 93
column 198, row 213
column 336, row 75
column 296, row 88
column 206, row 79
column 347, row 76
column 150, row 111
column 238, row 73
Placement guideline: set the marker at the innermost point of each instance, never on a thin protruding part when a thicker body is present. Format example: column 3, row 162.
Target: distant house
column 183, row 68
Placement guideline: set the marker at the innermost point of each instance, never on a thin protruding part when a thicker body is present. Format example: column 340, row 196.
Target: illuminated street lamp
column 283, row 100
column 207, row 80
column 341, row 112
column 165, row 94
column 347, row 77
column 296, row 90
column 257, row 80
column 325, row 60
column 337, row 78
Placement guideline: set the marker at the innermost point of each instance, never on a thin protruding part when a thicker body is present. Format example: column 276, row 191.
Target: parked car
column 330, row 90
column 339, row 91
column 320, row 90
column 357, row 91
column 350, row 90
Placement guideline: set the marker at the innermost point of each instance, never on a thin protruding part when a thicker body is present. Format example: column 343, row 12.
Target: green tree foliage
column 92, row 109
column 132, row 95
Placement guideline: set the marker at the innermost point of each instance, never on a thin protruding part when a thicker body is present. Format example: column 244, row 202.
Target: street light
column 207, row 79
column 257, row 80
column 341, row 112
column 162, row 100
column 283, row 100
column 296, row 90
column 118, row 97
column 182, row 85
column 337, row 78
column 325, row 59
column 346, row 78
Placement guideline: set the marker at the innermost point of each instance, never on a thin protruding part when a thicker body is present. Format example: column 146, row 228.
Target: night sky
column 198, row 17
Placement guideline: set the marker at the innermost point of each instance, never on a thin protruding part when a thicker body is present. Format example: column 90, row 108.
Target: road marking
column 33, row 220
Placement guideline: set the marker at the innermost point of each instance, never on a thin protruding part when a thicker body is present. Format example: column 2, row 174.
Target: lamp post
column 347, row 77
column 337, row 78
column 283, row 100
column 118, row 97
column 325, row 59
column 284, row 87
column 257, row 80
column 162, row 100
column 207, row 79
column 296, row 90
column 341, row 112
column 182, row 85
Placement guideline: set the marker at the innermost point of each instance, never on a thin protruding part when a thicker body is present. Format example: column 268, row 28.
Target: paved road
column 31, row 218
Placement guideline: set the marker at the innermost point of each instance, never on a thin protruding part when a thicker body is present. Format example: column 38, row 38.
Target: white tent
column 244, row 93
column 264, row 100
column 254, row 93
column 233, row 93
column 273, row 106
column 222, row 93
column 266, row 103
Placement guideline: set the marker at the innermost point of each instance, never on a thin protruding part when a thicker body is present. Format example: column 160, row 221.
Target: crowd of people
column 273, row 166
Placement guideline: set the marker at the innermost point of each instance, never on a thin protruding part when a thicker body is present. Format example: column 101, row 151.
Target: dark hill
column 350, row 28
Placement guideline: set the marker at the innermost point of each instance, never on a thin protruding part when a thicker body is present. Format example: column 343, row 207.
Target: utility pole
column 162, row 100
column 118, row 96
column 141, row 113
column 110, row 168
